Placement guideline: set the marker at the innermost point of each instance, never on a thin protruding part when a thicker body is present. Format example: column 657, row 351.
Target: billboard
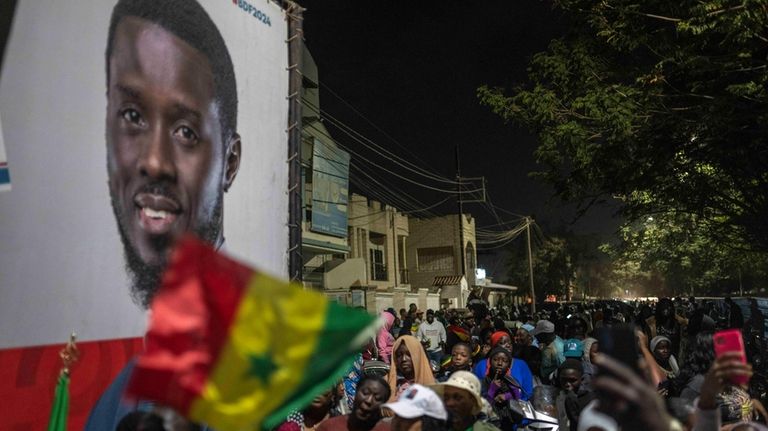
column 330, row 189
column 120, row 138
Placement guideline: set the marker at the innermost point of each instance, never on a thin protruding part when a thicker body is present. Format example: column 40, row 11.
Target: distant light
column 479, row 273
column 649, row 219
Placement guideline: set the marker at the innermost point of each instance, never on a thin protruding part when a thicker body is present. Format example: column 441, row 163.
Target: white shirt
column 434, row 332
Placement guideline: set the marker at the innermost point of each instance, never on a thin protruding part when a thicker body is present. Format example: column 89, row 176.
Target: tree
column 670, row 255
column 662, row 105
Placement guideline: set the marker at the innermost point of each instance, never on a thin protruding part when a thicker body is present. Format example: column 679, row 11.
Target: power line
column 359, row 156
column 378, row 149
column 380, row 130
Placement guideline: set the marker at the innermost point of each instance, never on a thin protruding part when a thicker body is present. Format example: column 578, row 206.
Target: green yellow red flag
column 238, row 349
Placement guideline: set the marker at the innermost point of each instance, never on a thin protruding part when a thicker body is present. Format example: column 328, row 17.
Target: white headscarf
column 672, row 361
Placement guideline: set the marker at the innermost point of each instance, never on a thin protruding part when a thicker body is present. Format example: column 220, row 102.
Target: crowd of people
column 470, row 369
column 478, row 369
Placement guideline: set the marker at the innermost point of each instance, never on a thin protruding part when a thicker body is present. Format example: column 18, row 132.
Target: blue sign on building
column 330, row 189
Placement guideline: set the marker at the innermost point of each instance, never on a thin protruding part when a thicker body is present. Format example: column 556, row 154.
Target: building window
column 378, row 268
column 435, row 259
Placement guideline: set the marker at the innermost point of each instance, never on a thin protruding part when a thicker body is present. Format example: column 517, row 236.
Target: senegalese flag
column 238, row 349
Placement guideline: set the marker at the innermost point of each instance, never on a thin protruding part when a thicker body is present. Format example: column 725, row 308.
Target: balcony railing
column 404, row 276
column 379, row 272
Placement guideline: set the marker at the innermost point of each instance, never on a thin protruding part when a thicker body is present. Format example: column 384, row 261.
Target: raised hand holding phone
column 730, row 342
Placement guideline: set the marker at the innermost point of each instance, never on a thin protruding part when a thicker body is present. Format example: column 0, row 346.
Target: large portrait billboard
column 124, row 125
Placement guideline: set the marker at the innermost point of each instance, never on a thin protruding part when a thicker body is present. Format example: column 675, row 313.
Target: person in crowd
column 432, row 334
column 460, row 360
column 550, row 357
column 644, row 313
column 698, row 322
column 577, row 328
column 712, row 411
column 687, row 384
column 410, row 365
column 412, row 309
column 406, row 322
column 626, row 402
column 397, row 326
column 485, row 345
column 572, row 398
column 311, row 417
column 418, row 408
column 661, row 349
column 755, row 333
column 574, row 349
column 666, row 322
column 416, row 321
column 735, row 316
column 523, row 337
column 462, row 399
column 455, row 333
column 531, row 355
column 145, row 421
column 498, row 388
column 756, row 317
column 351, row 380
column 385, row 340
column 518, row 369
column 590, row 349
column 372, row 392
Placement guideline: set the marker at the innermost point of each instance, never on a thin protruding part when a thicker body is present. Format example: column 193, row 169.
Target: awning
column 323, row 247
column 447, row 280
column 497, row 286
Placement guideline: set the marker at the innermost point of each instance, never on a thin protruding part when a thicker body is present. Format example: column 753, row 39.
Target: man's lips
column 157, row 213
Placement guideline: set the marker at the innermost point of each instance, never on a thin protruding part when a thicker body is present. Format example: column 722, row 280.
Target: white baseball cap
column 418, row 401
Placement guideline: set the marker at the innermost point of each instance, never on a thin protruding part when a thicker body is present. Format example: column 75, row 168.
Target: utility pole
column 461, row 212
column 530, row 264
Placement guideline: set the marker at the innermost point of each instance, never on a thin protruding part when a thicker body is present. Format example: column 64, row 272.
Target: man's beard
column 145, row 277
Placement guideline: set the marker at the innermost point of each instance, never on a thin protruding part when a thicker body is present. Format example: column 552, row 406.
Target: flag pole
column 69, row 355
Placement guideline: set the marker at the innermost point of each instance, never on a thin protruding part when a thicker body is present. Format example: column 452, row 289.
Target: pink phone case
column 730, row 341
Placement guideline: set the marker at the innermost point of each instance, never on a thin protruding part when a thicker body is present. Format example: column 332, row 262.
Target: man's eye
column 132, row 116
column 186, row 134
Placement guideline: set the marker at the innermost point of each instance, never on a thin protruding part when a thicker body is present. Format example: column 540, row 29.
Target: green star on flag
column 261, row 366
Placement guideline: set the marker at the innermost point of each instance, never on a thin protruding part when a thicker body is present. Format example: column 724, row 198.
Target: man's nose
column 157, row 156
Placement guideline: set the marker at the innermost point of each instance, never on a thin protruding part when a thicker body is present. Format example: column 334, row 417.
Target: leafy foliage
column 662, row 105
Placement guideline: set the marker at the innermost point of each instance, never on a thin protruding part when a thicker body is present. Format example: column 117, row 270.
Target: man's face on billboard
column 166, row 158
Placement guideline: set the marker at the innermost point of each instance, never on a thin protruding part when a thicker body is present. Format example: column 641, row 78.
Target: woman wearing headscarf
column 661, row 348
column 409, row 365
column 518, row 369
column 385, row 340
column 666, row 322
column 498, row 388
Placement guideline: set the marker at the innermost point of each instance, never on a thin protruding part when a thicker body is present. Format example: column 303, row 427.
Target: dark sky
column 413, row 69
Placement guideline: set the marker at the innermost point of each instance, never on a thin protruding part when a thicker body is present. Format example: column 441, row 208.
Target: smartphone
column 730, row 340
column 620, row 343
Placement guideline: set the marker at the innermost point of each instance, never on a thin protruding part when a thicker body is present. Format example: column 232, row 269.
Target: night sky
column 413, row 68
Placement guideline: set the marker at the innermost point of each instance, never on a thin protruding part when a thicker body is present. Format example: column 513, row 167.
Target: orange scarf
column 422, row 372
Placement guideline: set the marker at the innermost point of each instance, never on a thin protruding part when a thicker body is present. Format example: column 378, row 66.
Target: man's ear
column 232, row 161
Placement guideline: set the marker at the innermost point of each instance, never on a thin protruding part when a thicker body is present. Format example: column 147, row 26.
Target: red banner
column 28, row 379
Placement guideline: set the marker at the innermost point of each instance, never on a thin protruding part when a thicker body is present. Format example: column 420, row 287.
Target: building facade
column 443, row 256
